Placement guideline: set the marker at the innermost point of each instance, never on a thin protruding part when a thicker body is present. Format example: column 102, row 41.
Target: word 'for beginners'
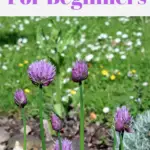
column 77, row 4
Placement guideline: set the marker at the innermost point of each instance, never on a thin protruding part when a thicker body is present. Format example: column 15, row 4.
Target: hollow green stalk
column 81, row 118
column 59, row 139
column 58, row 86
column 41, row 118
column 24, row 125
column 121, row 141
column 58, row 90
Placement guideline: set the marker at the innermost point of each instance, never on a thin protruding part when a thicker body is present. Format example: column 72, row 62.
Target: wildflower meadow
column 74, row 83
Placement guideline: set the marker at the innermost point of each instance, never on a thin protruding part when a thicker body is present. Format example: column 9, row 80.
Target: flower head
column 73, row 92
column 122, row 120
column 145, row 84
column 112, row 77
column 133, row 71
column 105, row 72
column 106, row 110
column 79, row 71
column 56, row 122
column 101, row 66
column 20, row 98
column 27, row 91
column 66, row 145
column 26, row 61
column 93, row 116
column 41, row 73
column 20, row 65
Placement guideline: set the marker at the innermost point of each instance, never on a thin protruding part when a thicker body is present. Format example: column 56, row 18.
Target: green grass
column 100, row 91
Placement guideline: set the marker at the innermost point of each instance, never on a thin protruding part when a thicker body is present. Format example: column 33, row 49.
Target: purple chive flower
column 122, row 120
column 66, row 145
column 56, row 122
column 79, row 71
column 20, row 98
column 41, row 73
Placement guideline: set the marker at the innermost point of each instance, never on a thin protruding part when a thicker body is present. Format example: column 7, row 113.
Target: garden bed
column 97, row 136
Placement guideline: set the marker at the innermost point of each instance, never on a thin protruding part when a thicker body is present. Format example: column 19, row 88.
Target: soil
column 97, row 136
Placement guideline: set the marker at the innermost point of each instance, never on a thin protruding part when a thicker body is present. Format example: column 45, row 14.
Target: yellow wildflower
column 26, row 62
column 20, row 65
column 101, row 66
column 38, row 57
column 133, row 71
column 112, row 77
column 104, row 72
column 119, row 73
column 73, row 92
column 27, row 91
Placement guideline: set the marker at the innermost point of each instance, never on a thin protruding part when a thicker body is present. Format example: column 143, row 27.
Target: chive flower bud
column 79, row 71
column 122, row 120
column 56, row 122
column 20, row 98
column 66, row 145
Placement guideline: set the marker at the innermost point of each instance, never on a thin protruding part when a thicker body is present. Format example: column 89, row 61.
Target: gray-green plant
column 140, row 138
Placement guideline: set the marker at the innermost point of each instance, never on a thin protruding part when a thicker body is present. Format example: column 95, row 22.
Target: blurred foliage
column 62, row 40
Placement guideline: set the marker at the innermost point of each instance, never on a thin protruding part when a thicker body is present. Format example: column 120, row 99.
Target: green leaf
column 59, row 110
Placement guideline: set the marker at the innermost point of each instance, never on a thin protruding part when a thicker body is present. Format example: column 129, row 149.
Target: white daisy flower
column 4, row 67
column 64, row 98
column 47, row 37
column 129, row 43
column 26, row 21
column 62, row 54
column 138, row 42
column 66, row 80
column 21, row 27
column 123, row 57
column 83, row 50
column 24, row 40
column 49, row 25
column 117, row 40
column 106, row 110
column 117, row 50
column 82, row 40
column 78, row 56
column 107, row 23
column 131, row 97
column 84, row 27
column 67, row 22
column 139, row 34
column 138, row 100
column 17, row 48
column 69, row 70
column 89, row 57
column 103, row 36
column 110, row 56
column 53, row 51
column 124, row 36
column 145, row 84
column 119, row 33
column 37, row 19
column 130, row 74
